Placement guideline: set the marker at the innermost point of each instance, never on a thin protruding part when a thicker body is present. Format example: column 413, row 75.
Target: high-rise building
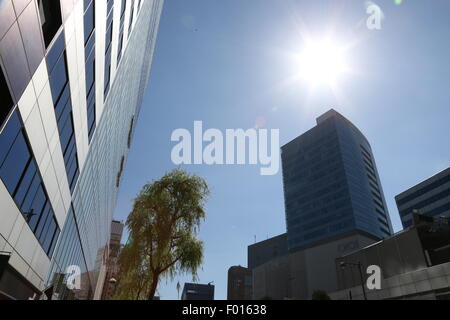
column 197, row 291
column 239, row 283
column 72, row 78
column 430, row 197
column 334, row 205
column 331, row 184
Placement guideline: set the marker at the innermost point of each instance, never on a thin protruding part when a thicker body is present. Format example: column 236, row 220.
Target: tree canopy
column 162, row 239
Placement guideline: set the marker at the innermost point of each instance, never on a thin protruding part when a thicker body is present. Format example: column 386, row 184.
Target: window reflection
column 50, row 14
column 18, row 171
column 60, row 88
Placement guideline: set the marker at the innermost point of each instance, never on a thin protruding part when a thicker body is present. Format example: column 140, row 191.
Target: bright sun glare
column 321, row 62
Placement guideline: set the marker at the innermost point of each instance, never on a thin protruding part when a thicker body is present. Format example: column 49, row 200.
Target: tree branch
column 171, row 264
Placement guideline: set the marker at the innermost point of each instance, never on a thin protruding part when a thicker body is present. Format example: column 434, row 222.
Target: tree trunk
column 153, row 287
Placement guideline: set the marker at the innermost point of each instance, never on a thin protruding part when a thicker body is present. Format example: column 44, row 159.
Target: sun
column 321, row 62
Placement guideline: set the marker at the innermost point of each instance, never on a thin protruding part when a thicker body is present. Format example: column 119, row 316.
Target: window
column 109, row 5
column 109, row 27
column 123, row 7
column 69, row 252
column 377, row 196
column 119, row 50
column 380, row 212
column 19, row 173
column 90, row 73
column 55, row 52
column 130, row 133
column 91, row 115
column 426, row 202
column 89, row 22
column 89, row 46
column 7, row 102
column 60, row 88
column 59, row 79
column 379, row 204
column 14, row 166
column 107, row 72
column 423, row 190
column 89, row 27
column 387, row 233
column 50, row 14
column 383, row 222
column 131, row 18
column 86, row 4
column 119, row 174
column 121, row 27
column 108, row 36
column 31, row 36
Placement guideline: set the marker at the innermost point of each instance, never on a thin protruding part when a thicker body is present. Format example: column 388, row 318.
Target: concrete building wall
column 399, row 254
column 428, row 283
column 298, row 274
column 409, row 267
column 264, row 251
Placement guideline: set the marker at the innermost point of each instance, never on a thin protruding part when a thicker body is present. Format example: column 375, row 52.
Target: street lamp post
column 359, row 265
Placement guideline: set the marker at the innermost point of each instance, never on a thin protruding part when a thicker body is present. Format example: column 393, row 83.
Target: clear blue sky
column 227, row 63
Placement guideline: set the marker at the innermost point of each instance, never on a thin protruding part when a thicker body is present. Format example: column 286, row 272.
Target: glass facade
column 21, row 177
column 331, row 184
column 89, row 44
column 60, row 88
column 197, row 291
column 430, row 197
column 70, row 252
column 121, row 30
column 71, row 86
column 108, row 46
column 95, row 195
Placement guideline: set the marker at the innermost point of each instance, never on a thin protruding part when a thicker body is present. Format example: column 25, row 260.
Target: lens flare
column 321, row 62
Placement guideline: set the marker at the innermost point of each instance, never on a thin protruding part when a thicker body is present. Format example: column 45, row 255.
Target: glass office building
column 72, row 78
column 331, row 184
column 430, row 197
column 197, row 291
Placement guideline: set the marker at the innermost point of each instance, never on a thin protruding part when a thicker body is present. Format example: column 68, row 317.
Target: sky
column 232, row 64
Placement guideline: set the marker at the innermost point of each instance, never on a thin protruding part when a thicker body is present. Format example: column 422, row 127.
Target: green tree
column 320, row 295
column 162, row 241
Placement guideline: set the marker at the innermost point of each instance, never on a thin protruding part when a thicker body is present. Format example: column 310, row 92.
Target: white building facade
column 73, row 74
